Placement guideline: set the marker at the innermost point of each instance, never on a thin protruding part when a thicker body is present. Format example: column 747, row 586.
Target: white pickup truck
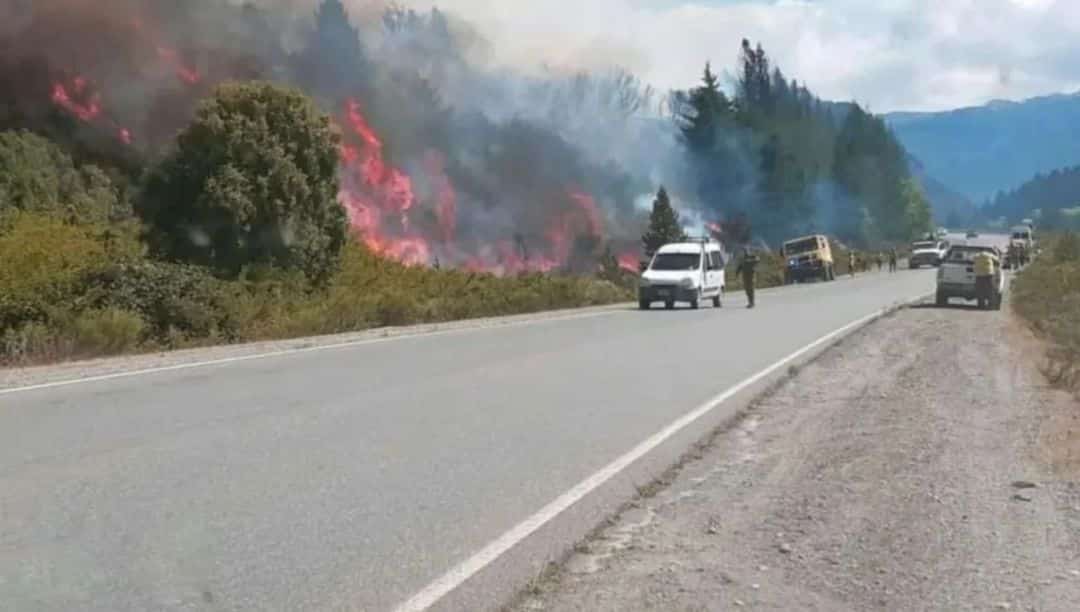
column 927, row 253
column 956, row 275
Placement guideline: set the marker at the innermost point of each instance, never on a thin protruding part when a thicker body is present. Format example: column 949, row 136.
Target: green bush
column 253, row 180
column 106, row 332
column 174, row 300
column 37, row 176
column 42, row 262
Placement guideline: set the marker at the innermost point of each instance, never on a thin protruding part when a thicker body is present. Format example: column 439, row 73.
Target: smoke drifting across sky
column 887, row 54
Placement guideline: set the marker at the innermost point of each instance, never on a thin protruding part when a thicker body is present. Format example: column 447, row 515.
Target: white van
column 687, row 272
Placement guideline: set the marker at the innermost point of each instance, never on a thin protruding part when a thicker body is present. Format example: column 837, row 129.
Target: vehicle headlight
column 644, row 282
column 686, row 283
column 793, row 262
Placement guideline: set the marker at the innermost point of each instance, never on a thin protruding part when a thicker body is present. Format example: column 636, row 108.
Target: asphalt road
column 351, row 478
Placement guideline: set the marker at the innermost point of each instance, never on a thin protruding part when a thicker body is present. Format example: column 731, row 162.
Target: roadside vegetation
column 233, row 237
column 1047, row 295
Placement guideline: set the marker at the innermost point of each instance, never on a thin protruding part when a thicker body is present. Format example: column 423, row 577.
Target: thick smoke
column 445, row 160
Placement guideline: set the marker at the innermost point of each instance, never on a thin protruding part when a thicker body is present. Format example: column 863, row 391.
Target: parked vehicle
column 687, row 272
column 927, row 253
column 956, row 276
column 808, row 257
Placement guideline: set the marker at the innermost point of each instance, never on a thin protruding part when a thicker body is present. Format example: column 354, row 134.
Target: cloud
column 888, row 54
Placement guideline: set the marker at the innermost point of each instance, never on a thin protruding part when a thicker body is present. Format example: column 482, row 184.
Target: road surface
column 353, row 477
column 895, row 472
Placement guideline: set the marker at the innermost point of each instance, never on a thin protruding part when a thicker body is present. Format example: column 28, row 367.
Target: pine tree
column 664, row 225
column 705, row 113
column 333, row 61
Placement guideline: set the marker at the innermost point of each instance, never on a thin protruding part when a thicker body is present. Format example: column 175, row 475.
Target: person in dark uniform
column 892, row 260
column 879, row 259
column 747, row 268
column 851, row 263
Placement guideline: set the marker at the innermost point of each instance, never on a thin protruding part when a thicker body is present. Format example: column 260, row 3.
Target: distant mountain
column 1052, row 198
column 950, row 208
column 979, row 151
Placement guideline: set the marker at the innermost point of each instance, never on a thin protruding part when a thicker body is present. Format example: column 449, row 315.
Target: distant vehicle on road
column 808, row 257
column 927, row 253
column 1023, row 235
column 942, row 233
column 956, row 276
column 688, row 272
column 972, row 234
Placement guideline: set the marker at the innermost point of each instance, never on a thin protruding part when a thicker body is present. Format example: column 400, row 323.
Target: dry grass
column 1047, row 296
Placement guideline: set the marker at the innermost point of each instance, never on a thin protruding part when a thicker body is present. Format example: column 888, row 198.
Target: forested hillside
column 774, row 161
column 981, row 150
column 1052, row 198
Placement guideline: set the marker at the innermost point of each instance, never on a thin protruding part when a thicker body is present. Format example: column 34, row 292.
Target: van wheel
column 643, row 304
column 716, row 302
column 695, row 301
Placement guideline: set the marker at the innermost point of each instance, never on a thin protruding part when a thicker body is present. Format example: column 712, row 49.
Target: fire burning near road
column 135, row 69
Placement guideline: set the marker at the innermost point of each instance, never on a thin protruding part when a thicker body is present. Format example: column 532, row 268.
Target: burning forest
column 422, row 181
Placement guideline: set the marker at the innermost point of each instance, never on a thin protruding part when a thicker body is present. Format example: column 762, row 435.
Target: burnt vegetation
column 183, row 173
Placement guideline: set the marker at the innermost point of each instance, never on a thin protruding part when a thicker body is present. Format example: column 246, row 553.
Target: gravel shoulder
column 921, row 464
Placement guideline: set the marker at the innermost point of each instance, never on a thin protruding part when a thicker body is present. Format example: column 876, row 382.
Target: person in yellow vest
column 985, row 268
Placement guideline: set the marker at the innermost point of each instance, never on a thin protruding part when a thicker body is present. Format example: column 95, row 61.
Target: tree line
column 1050, row 197
column 772, row 160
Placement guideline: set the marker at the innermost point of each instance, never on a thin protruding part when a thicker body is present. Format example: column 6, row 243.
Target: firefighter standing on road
column 892, row 260
column 879, row 259
column 851, row 263
column 747, row 268
column 985, row 264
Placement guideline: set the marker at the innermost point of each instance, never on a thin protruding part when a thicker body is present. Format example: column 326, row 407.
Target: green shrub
column 37, row 176
column 252, row 180
column 106, row 332
column 172, row 299
column 42, row 262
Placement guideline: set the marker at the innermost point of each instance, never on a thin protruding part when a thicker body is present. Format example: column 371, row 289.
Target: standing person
column 851, row 263
column 879, row 259
column 985, row 263
column 892, row 260
column 747, row 268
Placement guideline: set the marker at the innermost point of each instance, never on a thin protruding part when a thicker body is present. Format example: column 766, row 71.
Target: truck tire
column 941, row 299
column 695, row 302
column 716, row 302
column 643, row 304
column 670, row 304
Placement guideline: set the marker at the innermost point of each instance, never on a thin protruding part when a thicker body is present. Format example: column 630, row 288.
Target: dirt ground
column 922, row 464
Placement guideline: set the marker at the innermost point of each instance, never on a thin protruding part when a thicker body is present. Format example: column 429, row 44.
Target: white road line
column 297, row 351
column 432, row 593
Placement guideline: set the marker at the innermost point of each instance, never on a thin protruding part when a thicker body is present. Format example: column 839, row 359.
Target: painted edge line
column 459, row 574
column 298, row 351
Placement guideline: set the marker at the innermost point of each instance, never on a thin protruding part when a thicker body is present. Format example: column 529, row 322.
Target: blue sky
column 887, row 54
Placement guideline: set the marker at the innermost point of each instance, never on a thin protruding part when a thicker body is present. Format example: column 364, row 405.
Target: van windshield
column 668, row 262
column 924, row 245
column 801, row 246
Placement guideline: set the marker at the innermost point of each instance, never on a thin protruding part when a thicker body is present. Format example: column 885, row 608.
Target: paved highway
column 354, row 477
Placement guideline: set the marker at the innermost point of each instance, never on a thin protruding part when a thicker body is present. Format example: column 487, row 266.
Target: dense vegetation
column 1047, row 295
column 774, row 161
column 1052, row 198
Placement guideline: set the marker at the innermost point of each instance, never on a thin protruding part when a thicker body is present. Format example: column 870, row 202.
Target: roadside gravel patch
column 918, row 465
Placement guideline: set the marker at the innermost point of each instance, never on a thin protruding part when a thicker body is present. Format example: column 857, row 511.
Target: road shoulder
column 922, row 463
